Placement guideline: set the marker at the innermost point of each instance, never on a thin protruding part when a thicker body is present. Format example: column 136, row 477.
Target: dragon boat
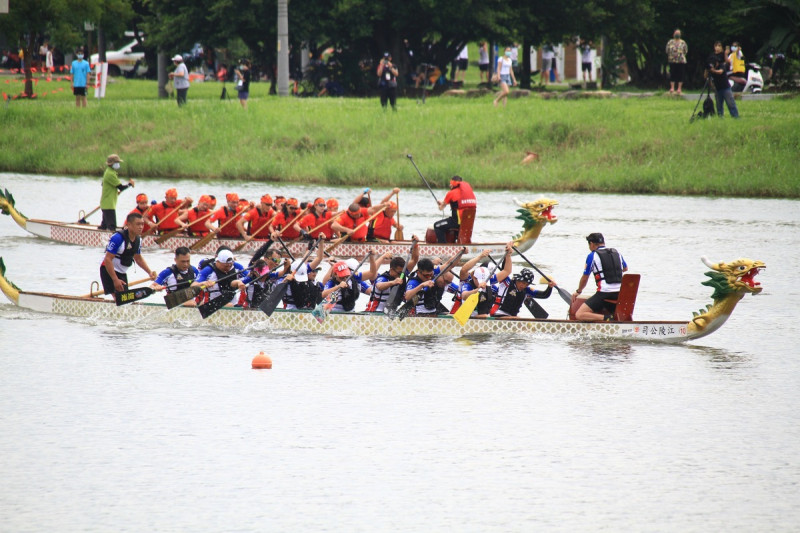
column 534, row 215
column 730, row 281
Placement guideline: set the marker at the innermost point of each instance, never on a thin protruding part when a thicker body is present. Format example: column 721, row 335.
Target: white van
column 127, row 58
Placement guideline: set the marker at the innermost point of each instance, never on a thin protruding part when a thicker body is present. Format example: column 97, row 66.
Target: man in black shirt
column 716, row 64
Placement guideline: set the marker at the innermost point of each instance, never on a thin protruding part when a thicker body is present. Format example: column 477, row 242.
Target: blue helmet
column 526, row 276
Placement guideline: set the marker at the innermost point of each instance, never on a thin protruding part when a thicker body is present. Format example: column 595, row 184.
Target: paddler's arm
column 506, row 272
column 318, row 260
column 582, row 283
column 469, row 265
column 240, row 226
column 139, row 260
column 409, row 294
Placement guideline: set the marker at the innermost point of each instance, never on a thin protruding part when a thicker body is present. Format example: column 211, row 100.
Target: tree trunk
column 525, row 73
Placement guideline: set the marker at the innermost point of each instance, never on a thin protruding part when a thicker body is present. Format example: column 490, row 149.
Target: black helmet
column 526, row 276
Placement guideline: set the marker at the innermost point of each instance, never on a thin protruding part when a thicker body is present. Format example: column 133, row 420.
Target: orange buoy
column 262, row 361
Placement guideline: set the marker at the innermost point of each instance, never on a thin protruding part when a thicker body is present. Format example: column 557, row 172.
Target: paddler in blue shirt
column 124, row 248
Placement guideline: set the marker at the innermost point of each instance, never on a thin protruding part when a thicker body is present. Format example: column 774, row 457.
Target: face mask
column 115, row 166
column 734, row 48
column 80, row 56
column 677, row 35
column 508, row 54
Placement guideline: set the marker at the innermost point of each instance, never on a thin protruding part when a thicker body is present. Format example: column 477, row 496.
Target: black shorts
column 79, row 91
column 597, row 302
column 484, row 67
column 586, row 67
column 463, row 64
column 108, row 283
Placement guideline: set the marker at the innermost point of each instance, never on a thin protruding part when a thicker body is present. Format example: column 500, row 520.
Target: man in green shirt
column 112, row 186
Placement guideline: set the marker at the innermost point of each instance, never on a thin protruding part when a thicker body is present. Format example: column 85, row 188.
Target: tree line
column 418, row 31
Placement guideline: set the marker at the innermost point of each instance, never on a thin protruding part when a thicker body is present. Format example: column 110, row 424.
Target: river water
column 106, row 427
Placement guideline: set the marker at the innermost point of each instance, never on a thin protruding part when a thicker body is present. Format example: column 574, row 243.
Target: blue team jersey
column 116, row 246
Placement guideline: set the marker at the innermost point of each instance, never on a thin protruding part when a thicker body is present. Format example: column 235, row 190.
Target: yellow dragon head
column 7, row 208
column 535, row 216
column 730, row 281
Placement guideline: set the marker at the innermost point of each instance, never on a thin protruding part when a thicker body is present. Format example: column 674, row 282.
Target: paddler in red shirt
column 348, row 221
column 318, row 215
column 168, row 211
column 143, row 208
column 256, row 219
column 463, row 204
column 381, row 226
column 195, row 218
column 223, row 215
column 285, row 220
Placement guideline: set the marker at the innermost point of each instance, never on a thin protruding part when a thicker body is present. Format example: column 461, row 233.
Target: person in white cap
column 220, row 277
column 180, row 78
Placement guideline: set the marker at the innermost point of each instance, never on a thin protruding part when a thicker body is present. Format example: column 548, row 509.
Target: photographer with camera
column 387, row 81
column 717, row 67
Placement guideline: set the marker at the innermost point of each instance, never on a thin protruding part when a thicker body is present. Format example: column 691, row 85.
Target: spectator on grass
column 676, row 57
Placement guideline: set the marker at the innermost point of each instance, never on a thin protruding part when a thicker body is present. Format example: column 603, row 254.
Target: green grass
column 636, row 145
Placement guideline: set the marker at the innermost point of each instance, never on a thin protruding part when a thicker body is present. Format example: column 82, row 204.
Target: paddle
column 133, row 295
column 561, row 292
column 212, row 306
column 263, row 249
column 398, row 233
column 181, row 296
column 167, row 236
column 278, row 291
column 392, row 301
column 423, row 179
column 252, row 233
column 131, row 284
column 406, row 308
column 468, row 306
column 340, row 240
column 211, row 234
column 322, row 309
column 285, row 248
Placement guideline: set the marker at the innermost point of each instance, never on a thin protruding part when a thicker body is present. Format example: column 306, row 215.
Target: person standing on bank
column 112, row 186
column 463, row 204
column 243, row 82
column 80, row 78
column 180, row 78
column 506, row 72
column 717, row 65
column 607, row 266
column 387, row 76
column 124, row 248
column 676, row 57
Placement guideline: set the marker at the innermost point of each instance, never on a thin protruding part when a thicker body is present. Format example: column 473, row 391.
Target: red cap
column 341, row 269
column 333, row 203
column 392, row 205
column 171, row 193
column 141, row 197
column 319, row 201
column 204, row 199
column 232, row 197
column 266, row 199
column 292, row 201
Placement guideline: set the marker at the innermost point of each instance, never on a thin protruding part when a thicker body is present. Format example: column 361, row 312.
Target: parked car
column 128, row 60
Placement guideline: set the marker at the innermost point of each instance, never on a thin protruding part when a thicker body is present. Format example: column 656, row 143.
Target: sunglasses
column 320, row 205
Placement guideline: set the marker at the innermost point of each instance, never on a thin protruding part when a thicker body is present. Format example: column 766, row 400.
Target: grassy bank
column 618, row 145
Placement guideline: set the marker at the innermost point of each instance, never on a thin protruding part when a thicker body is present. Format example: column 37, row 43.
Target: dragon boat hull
column 535, row 216
column 91, row 236
column 345, row 324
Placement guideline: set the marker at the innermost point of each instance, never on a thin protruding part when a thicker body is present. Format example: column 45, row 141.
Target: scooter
column 753, row 83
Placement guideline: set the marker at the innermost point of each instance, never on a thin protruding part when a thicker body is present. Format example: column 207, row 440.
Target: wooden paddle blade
column 536, row 310
column 466, row 309
column 174, row 299
column 273, row 298
column 398, row 235
column 212, row 306
column 168, row 235
column 132, row 295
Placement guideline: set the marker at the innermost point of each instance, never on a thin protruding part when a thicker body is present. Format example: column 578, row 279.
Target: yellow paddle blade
column 466, row 309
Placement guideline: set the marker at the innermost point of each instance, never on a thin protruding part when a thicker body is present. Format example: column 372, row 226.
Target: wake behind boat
column 730, row 281
column 534, row 215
